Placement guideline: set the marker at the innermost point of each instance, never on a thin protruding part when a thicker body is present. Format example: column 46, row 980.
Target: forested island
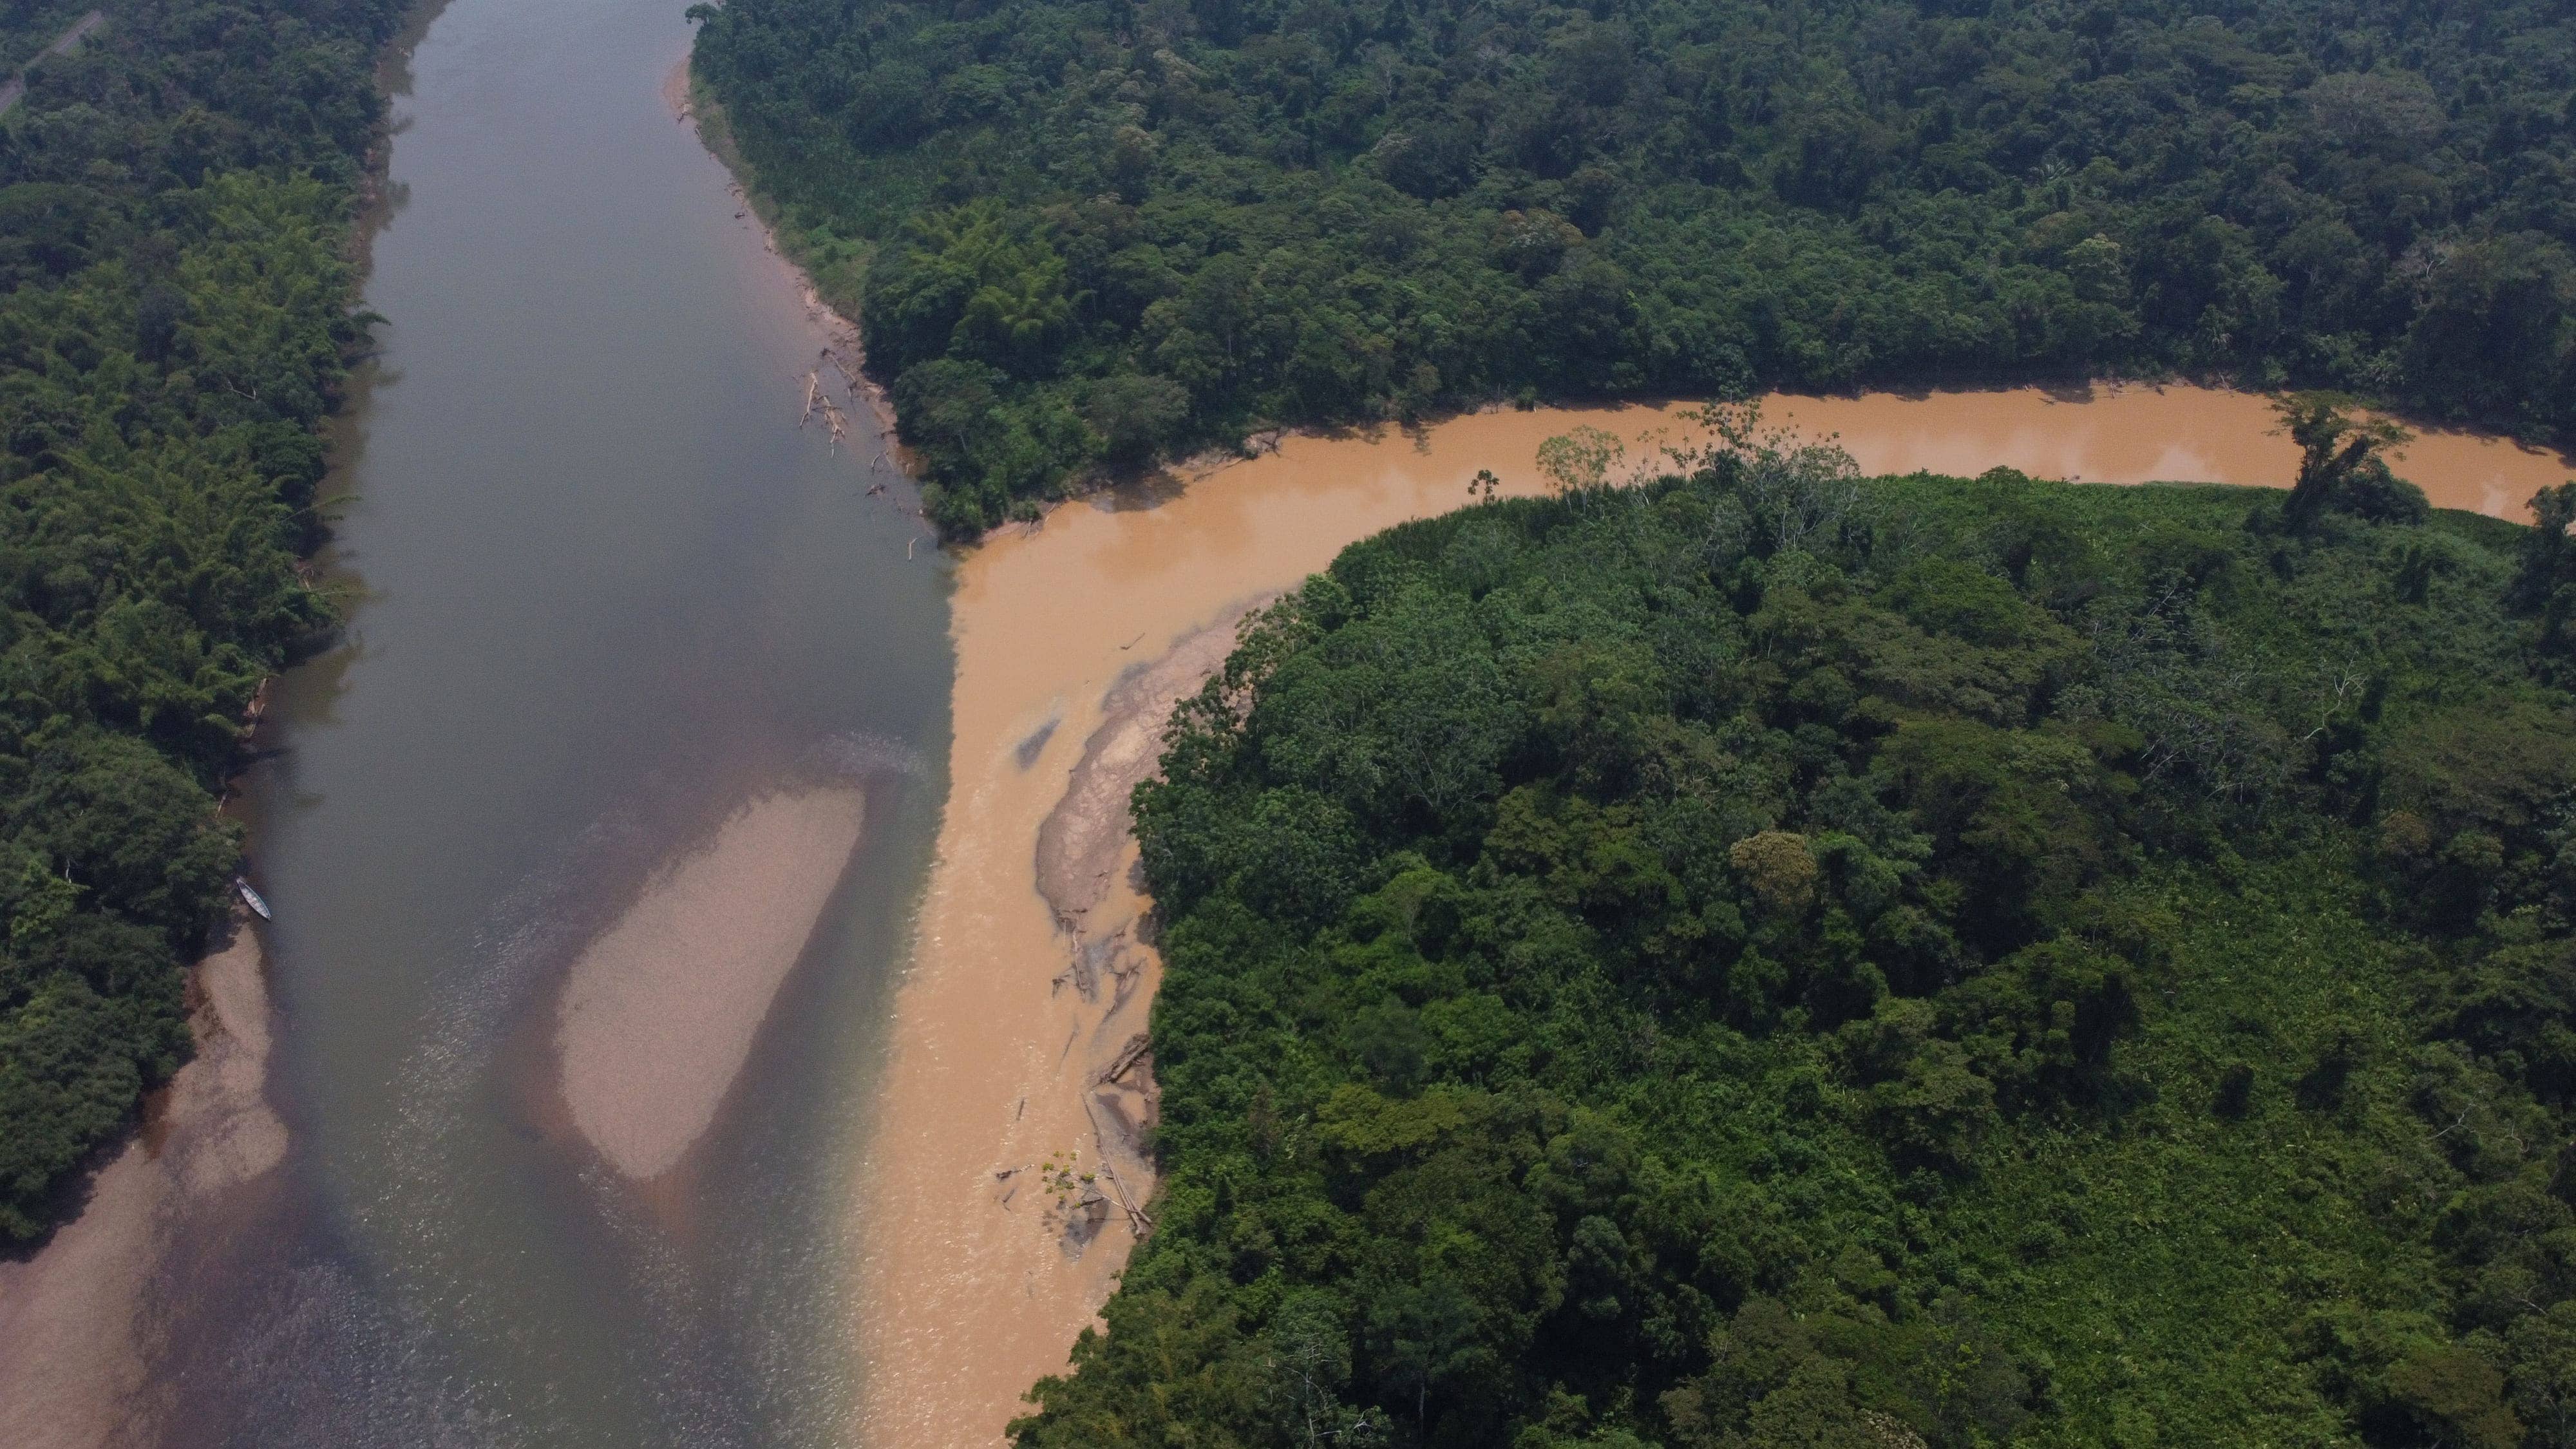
column 1775, row 958
column 176, row 282
column 1083, row 233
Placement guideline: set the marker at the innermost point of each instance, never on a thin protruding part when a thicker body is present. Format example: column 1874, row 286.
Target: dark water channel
column 603, row 589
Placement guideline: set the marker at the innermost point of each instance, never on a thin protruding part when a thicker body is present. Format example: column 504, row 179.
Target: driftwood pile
column 1138, row 1053
column 817, row 400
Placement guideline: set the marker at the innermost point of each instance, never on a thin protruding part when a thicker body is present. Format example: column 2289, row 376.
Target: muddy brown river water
column 703, row 909
column 2133, row 434
column 1073, row 641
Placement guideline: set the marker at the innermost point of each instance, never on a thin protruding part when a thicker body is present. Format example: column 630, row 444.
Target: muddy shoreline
column 1085, row 866
column 76, row 1317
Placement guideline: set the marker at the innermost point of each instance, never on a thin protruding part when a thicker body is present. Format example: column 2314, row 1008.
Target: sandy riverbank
column 76, row 1330
column 838, row 368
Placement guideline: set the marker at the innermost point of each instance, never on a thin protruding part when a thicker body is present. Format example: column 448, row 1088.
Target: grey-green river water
column 602, row 589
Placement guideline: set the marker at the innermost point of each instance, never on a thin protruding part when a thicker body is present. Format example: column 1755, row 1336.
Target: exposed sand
column 1086, row 871
column 658, row 1014
column 1028, row 985
column 74, row 1341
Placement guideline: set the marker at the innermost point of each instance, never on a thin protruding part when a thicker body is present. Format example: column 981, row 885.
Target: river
column 575, row 964
column 606, row 593
column 546, row 1111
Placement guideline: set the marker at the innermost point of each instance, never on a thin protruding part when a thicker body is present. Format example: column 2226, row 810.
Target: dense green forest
column 176, row 198
column 1082, row 232
column 1770, row 958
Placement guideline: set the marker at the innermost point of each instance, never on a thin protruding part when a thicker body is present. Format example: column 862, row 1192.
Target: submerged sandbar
column 658, row 1015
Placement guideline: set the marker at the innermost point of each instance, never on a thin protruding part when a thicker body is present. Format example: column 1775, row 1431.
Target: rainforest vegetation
column 1079, row 233
column 176, row 197
column 1771, row 958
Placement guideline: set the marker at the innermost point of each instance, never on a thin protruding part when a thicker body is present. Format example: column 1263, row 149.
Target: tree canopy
column 176, row 197
column 1771, row 958
column 1078, row 231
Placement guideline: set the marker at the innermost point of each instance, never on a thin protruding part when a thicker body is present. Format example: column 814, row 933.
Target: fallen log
column 1138, row 1221
column 1130, row 1054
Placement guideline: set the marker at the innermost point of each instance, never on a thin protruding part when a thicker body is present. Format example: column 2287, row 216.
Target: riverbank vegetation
column 1080, row 233
column 176, row 198
column 1772, row 958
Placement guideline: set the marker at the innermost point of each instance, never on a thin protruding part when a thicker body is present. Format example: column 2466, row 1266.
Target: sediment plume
column 1020, row 1058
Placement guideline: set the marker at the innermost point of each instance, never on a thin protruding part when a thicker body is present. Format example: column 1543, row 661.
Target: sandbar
column 658, row 1014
